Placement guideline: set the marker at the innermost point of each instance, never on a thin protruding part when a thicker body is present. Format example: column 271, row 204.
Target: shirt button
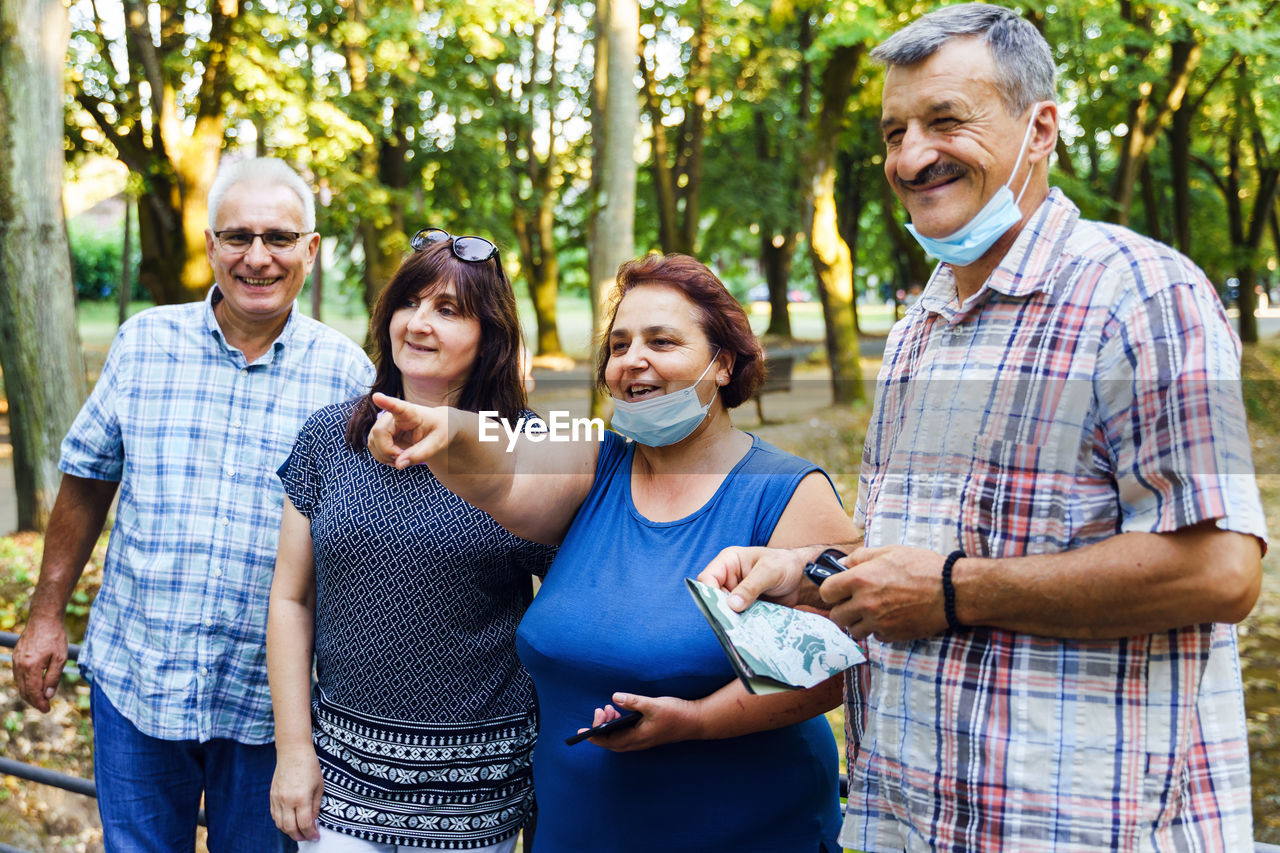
column 208, row 623
column 225, row 521
column 217, row 573
column 204, row 670
column 235, row 424
column 231, row 472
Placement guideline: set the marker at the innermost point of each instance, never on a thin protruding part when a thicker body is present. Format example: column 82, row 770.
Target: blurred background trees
column 757, row 147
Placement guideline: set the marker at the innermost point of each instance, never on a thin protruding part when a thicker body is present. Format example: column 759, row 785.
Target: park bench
column 778, row 367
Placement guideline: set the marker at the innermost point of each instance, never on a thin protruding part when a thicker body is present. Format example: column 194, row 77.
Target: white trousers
column 336, row 842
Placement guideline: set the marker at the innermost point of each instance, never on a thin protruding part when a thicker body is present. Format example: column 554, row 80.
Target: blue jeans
column 149, row 789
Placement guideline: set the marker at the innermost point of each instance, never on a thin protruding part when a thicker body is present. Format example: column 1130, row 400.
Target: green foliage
column 20, row 568
column 416, row 112
column 95, row 261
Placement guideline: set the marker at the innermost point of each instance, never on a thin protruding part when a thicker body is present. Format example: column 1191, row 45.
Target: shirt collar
column 1029, row 264
column 1025, row 269
column 214, row 296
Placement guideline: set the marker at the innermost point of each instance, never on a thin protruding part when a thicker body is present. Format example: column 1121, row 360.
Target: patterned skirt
column 442, row 786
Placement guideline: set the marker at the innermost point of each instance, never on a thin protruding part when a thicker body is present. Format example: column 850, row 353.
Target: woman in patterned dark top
column 418, row 730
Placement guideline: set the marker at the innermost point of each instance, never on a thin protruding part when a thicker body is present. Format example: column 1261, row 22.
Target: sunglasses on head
column 472, row 249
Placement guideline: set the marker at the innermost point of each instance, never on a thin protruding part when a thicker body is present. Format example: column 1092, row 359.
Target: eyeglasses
column 276, row 242
column 472, row 249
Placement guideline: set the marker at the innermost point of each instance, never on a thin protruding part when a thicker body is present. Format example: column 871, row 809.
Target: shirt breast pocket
column 1013, row 502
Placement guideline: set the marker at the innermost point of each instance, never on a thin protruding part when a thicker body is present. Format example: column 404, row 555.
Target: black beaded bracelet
column 949, row 590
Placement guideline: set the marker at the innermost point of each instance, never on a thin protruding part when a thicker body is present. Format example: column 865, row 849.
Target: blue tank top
column 614, row 614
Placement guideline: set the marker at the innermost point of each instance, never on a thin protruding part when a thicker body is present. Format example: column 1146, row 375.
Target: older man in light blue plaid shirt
column 196, row 407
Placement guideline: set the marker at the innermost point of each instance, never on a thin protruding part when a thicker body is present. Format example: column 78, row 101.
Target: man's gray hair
column 1024, row 63
column 262, row 171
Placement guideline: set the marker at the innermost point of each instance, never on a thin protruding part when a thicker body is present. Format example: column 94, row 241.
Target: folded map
column 775, row 648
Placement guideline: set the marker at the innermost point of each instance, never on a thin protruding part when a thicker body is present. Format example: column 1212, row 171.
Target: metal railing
column 42, row 775
column 30, row 772
column 79, row 785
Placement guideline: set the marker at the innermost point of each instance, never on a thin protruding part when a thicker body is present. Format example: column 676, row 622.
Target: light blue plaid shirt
column 194, row 434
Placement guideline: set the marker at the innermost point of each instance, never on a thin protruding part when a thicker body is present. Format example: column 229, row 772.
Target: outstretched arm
column 532, row 488
column 79, row 512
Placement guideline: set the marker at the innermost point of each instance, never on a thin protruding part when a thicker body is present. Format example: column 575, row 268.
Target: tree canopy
column 758, row 146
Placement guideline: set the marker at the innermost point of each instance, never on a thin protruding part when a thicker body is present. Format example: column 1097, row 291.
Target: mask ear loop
column 710, row 364
column 716, row 387
column 1022, row 149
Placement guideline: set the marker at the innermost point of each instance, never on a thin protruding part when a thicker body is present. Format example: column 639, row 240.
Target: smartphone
column 626, row 721
column 827, row 564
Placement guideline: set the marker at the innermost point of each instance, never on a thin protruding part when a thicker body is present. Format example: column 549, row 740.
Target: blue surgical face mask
column 981, row 232
column 666, row 419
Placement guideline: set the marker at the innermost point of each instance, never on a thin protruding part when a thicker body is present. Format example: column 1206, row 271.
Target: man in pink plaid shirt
column 1060, row 515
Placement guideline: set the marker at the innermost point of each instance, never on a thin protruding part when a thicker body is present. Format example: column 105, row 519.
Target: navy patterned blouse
column 423, row 717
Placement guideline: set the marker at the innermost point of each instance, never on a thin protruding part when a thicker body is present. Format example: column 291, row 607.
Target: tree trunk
column 1126, row 176
column 613, row 175
column 677, row 174
column 660, row 168
column 777, row 243
column 1247, row 270
column 776, row 251
column 1247, row 236
column 910, row 264
column 1146, row 117
column 39, row 344
column 534, row 220
column 1151, row 203
column 179, row 160
column 384, row 240
column 1180, row 165
column 196, row 165
column 544, row 279
column 384, row 167
column 694, row 132
column 381, row 258
column 162, row 243
column 1275, row 226
column 542, row 270
column 1247, row 275
column 317, row 283
column 832, row 262
column 849, row 210
column 126, row 255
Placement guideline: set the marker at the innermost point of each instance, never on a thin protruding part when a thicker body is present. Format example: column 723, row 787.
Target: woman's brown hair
column 720, row 317
column 483, row 291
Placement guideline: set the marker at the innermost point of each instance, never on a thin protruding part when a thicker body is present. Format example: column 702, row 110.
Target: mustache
column 941, row 170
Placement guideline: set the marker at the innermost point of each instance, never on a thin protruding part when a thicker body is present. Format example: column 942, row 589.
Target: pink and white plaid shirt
column 1090, row 387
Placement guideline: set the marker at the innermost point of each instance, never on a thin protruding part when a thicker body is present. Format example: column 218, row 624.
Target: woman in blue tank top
column 709, row 767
